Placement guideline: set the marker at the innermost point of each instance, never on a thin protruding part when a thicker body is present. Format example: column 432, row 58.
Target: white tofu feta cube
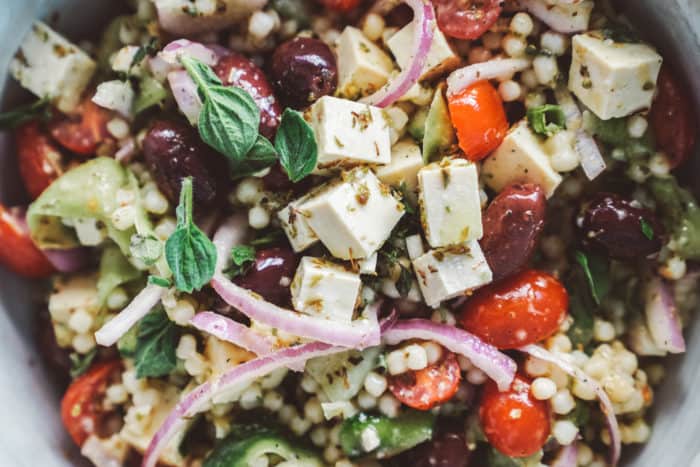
column 123, row 58
column 353, row 216
column 414, row 246
column 449, row 202
column 363, row 67
column 349, row 133
column 446, row 273
column 406, row 161
column 188, row 17
column 441, row 57
column 565, row 17
column 49, row 65
column 521, row 158
column 612, row 79
column 115, row 95
column 324, row 289
column 369, row 264
column 295, row 225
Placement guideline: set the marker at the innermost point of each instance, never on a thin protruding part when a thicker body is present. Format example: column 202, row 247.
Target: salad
column 336, row 233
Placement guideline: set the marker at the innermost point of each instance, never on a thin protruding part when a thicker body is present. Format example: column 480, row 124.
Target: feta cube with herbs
column 316, row 233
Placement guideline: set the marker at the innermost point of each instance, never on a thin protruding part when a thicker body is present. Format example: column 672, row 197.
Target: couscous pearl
column 312, row 410
column 319, row 436
column 117, row 394
column 560, row 342
column 81, row 321
column 546, row 69
column 509, row 90
column 308, row 384
column 514, row 45
column 674, row 268
column 186, row 347
column 299, row 426
column 375, row 384
column 521, row 24
column 659, row 164
column 529, row 78
column 464, row 363
column 334, row 434
column 165, row 228
column 344, row 463
column 478, row 55
column 155, row 202
column 564, row 431
column 287, row 413
column 195, row 365
column 273, row 401
column 389, row 406
column 560, row 378
column 123, row 217
column 118, row 128
column 262, row 23
column 584, row 454
column 637, row 432
column 583, row 391
column 366, row 401
column 148, row 397
column 182, row 313
column 476, row 376
column 125, row 197
column 554, row 42
column 433, row 351
column 565, row 159
column 117, row 299
column 396, row 362
column 491, row 40
column 603, row 331
column 273, row 379
column 258, row 217
column 536, row 367
column 637, row 126
column 416, row 357
column 373, row 26
column 534, row 99
column 331, row 454
column 543, row 388
column 249, row 191
column 562, row 402
column 83, row 343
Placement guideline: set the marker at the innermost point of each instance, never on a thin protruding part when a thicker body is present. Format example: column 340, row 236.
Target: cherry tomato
column 341, row 5
column 39, row 159
column 672, row 118
column 478, row 115
column 519, row 310
column 426, row 388
column 513, row 421
column 81, row 410
column 466, row 19
column 85, row 132
column 17, row 250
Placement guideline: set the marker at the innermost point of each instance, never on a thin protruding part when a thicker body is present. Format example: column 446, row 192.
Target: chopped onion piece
column 606, row 405
column 115, row 328
column 115, row 95
column 232, row 331
column 556, row 19
column 423, row 30
column 126, row 151
column 567, row 457
column 568, row 105
column 71, row 260
column 663, row 321
column 486, row 357
column 493, row 69
column 185, row 94
column 229, row 234
column 179, row 48
column 592, row 160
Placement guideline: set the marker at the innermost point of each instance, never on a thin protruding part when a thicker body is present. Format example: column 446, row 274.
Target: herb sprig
column 155, row 345
column 38, row 109
column 545, row 120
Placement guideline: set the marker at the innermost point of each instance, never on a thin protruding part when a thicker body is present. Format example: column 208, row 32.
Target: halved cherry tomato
column 672, row 117
column 39, row 159
column 478, row 115
column 17, row 250
column 85, row 132
column 513, row 421
column 466, row 19
column 519, row 310
column 341, row 5
column 81, row 410
column 426, row 388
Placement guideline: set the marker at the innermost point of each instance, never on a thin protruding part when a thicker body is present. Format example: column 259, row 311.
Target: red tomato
column 478, row 115
column 81, row 410
column 39, row 159
column 85, row 134
column 519, row 310
column 513, row 421
column 672, row 117
column 17, row 250
column 341, row 5
column 466, row 19
column 426, row 388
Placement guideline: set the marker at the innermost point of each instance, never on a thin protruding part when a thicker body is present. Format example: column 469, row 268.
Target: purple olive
column 620, row 228
column 303, row 70
column 271, row 274
column 173, row 150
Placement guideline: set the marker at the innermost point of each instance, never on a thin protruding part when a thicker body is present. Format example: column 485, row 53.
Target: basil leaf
column 546, row 119
column 647, row 229
column 22, row 114
column 147, row 249
column 403, row 285
column 189, row 252
column 79, row 364
column 159, row 281
column 270, row 237
column 155, row 345
column 149, row 49
column 229, row 118
column 261, row 156
column 296, row 144
column 242, row 254
column 597, row 271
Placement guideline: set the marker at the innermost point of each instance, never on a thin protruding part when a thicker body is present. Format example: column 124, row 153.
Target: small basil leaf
column 546, row 119
column 296, row 144
column 155, row 345
column 597, row 271
column 79, row 364
column 242, row 254
column 268, row 238
column 647, row 229
column 14, row 118
column 159, row 281
column 189, row 252
column 147, row 249
column 261, row 156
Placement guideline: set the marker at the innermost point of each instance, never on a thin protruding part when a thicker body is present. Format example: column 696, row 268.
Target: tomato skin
column 426, row 388
column 341, row 5
column 17, row 250
column 519, row 310
column 478, row 115
column 84, row 133
column 80, row 407
column 39, row 159
column 513, row 421
column 672, row 118
column 466, row 19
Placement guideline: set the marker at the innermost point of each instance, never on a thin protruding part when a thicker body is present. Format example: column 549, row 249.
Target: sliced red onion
column 232, row 331
column 663, row 321
column 606, row 405
column 568, row 105
column 362, row 333
column 185, row 94
column 126, row 152
column 486, row 357
column 557, row 19
column 230, row 233
column 174, row 51
column 492, row 69
column 592, row 161
column 115, row 328
column 567, row 457
column 199, row 399
column 423, row 29
column 71, row 260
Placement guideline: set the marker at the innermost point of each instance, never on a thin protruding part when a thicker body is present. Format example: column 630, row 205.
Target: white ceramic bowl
column 30, row 427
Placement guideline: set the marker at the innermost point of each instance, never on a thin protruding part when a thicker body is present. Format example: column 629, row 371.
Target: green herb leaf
column 149, row 49
column 647, row 229
column 243, row 257
column 151, row 93
column 189, row 252
column 260, row 156
column 403, row 285
column 79, row 364
column 546, row 119
column 596, row 270
column 147, row 249
column 229, row 118
column 155, row 345
column 268, row 238
column 13, row 118
column 296, row 144
column 159, row 281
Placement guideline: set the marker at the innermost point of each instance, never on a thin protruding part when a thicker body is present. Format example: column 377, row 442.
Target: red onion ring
column 232, row 331
column 230, row 233
column 67, row 261
column 185, row 94
column 662, row 318
column 567, row 457
column 491, row 69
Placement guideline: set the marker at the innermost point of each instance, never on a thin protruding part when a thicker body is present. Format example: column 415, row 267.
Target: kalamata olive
column 56, row 358
column 173, row 150
column 302, row 70
column 236, row 70
column 271, row 274
column 445, row 450
column 512, row 224
column 622, row 229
